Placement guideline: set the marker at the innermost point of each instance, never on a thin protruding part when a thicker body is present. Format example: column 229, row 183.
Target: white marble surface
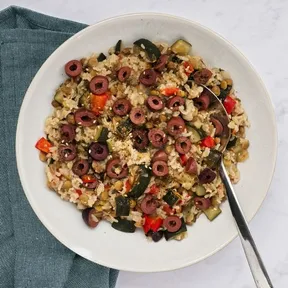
column 259, row 29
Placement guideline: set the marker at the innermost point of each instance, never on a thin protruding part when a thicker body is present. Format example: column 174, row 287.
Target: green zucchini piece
column 101, row 57
column 84, row 100
column 213, row 159
column 98, row 132
column 124, row 225
column 195, row 137
column 124, row 128
column 200, row 190
column 122, row 206
column 141, row 183
column 224, row 93
column 172, row 235
column 175, row 59
column 103, row 137
column 109, row 145
column 197, row 134
column 232, row 142
column 59, row 97
column 212, row 212
column 181, row 47
column 118, row 47
column 150, row 48
column 170, row 198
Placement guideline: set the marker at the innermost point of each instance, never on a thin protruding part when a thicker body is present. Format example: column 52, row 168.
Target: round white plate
column 133, row 252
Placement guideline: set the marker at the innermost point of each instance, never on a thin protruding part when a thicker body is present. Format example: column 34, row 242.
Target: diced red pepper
column 128, row 186
column 43, row 145
column 188, row 68
column 183, row 159
column 170, row 91
column 88, row 178
column 154, row 189
column 229, row 104
column 78, row 191
column 208, row 142
column 98, row 102
column 167, row 209
column 152, row 223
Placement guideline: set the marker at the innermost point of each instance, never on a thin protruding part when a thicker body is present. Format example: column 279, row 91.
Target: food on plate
column 131, row 139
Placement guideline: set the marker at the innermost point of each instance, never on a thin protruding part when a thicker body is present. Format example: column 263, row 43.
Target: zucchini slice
column 171, row 198
column 142, row 183
column 124, row 225
column 197, row 134
column 181, row 47
column 118, row 47
column 103, row 137
column 59, row 97
column 172, row 235
column 200, row 190
column 101, row 57
column 122, row 206
column 175, row 59
column 109, row 145
column 150, row 48
column 98, row 132
column 124, row 128
column 224, row 93
column 212, row 212
column 231, row 143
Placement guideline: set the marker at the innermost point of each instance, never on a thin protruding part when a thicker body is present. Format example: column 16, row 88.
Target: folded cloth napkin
column 29, row 255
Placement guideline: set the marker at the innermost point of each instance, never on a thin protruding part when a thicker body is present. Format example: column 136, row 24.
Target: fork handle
column 256, row 264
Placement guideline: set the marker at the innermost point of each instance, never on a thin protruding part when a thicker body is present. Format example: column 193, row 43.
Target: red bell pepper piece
column 188, row 68
column 229, row 104
column 208, row 142
column 183, row 159
column 78, row 191
column 88, row 178
column 128, row 186
column 152, row 223
column 154, row 189
column 43, row 145
column 167, row 209
column 98, row 102
column 170, row 91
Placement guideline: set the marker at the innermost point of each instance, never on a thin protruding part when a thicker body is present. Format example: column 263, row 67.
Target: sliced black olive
column 67, row 152
column 80, row 167
column 171, row 235
column 206, row 176
column 98, row 151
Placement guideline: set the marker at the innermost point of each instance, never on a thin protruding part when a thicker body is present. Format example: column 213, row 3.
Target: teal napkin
column 29, row 255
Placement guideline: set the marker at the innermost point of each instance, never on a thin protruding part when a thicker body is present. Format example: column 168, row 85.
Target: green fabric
column 29, row 255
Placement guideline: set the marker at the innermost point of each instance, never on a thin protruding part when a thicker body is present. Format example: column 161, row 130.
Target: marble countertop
column 259, row 29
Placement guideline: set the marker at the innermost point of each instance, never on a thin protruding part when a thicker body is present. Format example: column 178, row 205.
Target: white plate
column 133, row 252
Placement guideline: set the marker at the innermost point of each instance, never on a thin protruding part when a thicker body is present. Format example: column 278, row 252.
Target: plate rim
column 63, row 46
